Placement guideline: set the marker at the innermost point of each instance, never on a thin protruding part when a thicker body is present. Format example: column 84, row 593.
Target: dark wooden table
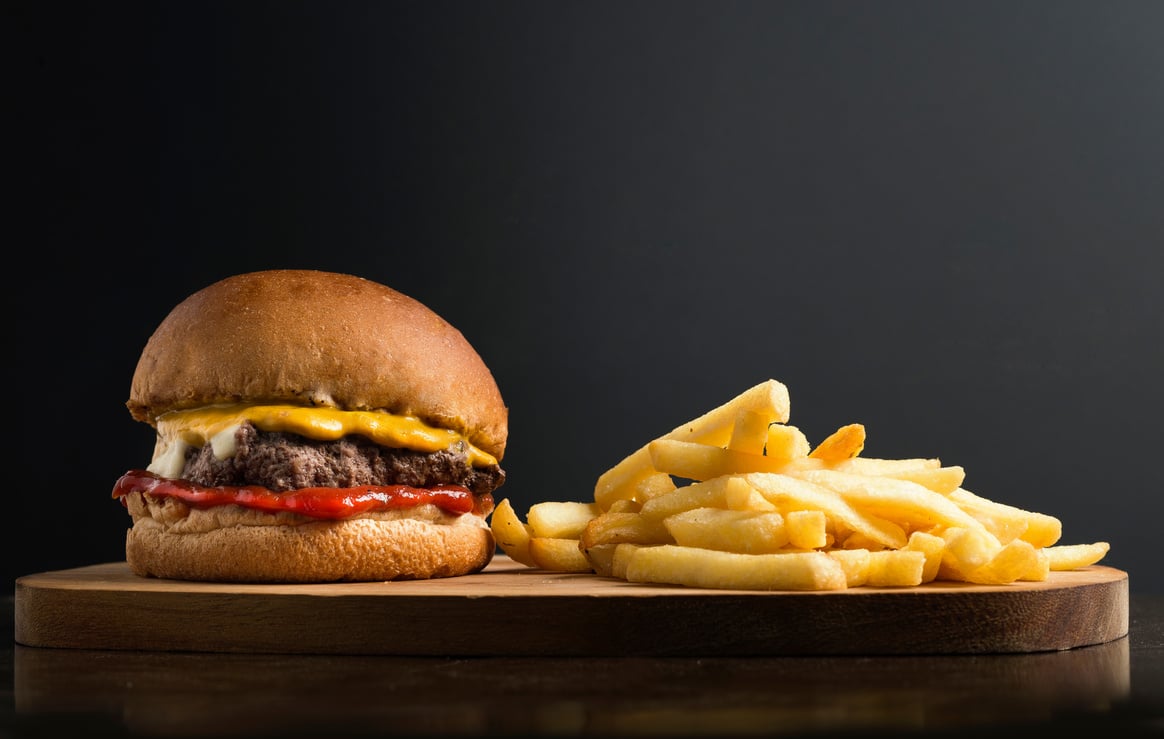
column 1117, row 687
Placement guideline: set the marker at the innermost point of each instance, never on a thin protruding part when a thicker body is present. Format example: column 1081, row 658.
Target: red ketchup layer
column 333, row 503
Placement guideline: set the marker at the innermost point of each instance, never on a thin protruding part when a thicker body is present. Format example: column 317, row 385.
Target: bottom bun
column 361, row 549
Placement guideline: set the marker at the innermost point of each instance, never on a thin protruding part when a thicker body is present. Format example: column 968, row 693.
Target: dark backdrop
column 942, row 220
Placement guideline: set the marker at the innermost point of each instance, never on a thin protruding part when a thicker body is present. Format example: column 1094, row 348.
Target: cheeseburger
column 312, row 427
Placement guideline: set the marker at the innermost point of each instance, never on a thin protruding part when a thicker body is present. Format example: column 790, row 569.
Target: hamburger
column 312, row 427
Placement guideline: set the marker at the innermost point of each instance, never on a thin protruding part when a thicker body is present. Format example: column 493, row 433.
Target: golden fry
column 806, row 529
column 785, row 442
column 561, row 555
column 693, row 461
column 896, row 568
column 511, row 533
column 750, row 432
column 729, row 531
column 617, row 528
column 1041, row 569
column 944, row 480
column 560, row 520
column 707, row 568
column 932, row 547
column 844, row 443
column 878, row 466
column 1073, row 556
column 710, row 494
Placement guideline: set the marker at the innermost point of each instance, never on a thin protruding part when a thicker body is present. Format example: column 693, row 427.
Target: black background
column 941, row 220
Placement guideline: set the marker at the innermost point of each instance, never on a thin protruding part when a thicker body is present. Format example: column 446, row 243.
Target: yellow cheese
column 215, row 425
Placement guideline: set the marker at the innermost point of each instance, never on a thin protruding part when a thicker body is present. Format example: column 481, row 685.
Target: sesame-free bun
column 170, row 540
column 323, row 339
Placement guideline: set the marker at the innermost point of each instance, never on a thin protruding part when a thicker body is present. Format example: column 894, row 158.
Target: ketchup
column 331, row 503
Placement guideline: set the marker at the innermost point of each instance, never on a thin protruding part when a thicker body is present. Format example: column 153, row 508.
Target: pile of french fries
column 737, row 498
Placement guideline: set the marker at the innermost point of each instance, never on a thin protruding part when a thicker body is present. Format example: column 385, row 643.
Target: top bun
column 322, row 339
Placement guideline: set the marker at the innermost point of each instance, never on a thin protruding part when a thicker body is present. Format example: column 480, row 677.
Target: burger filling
column 278, row 471
column 281, row 461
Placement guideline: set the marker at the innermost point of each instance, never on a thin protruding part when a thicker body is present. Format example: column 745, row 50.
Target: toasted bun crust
column 353, row 550
column 318, row 338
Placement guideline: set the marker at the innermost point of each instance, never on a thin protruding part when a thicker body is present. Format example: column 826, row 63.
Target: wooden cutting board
column 511, row 610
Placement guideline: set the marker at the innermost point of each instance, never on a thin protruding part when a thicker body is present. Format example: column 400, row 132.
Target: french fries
column 737, row 498
column 550, row 540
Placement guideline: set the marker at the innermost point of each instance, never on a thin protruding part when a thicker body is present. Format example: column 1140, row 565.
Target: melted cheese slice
column 216, row 425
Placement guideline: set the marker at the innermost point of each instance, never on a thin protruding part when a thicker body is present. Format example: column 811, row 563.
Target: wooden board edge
column 714, row 623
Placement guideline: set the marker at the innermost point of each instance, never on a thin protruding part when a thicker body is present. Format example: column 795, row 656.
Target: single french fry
column 806, row 529
column 560, row 555
column 1073, row 556
column 729, row 531
column 857, row 540
column 844, row 443
column 694, row 461
column 879, row 466
column 1041, row 569
column 750, row 432
column 786, row 442
column 619, row 481
column 707, row 568
column 511, row 533
column 616, row 528
column 896, row 568
column 943, row 480
column 560, row 520
column 714, row 428
column 710, row 494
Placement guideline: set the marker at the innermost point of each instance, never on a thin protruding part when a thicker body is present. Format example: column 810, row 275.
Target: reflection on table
column 184, row 694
